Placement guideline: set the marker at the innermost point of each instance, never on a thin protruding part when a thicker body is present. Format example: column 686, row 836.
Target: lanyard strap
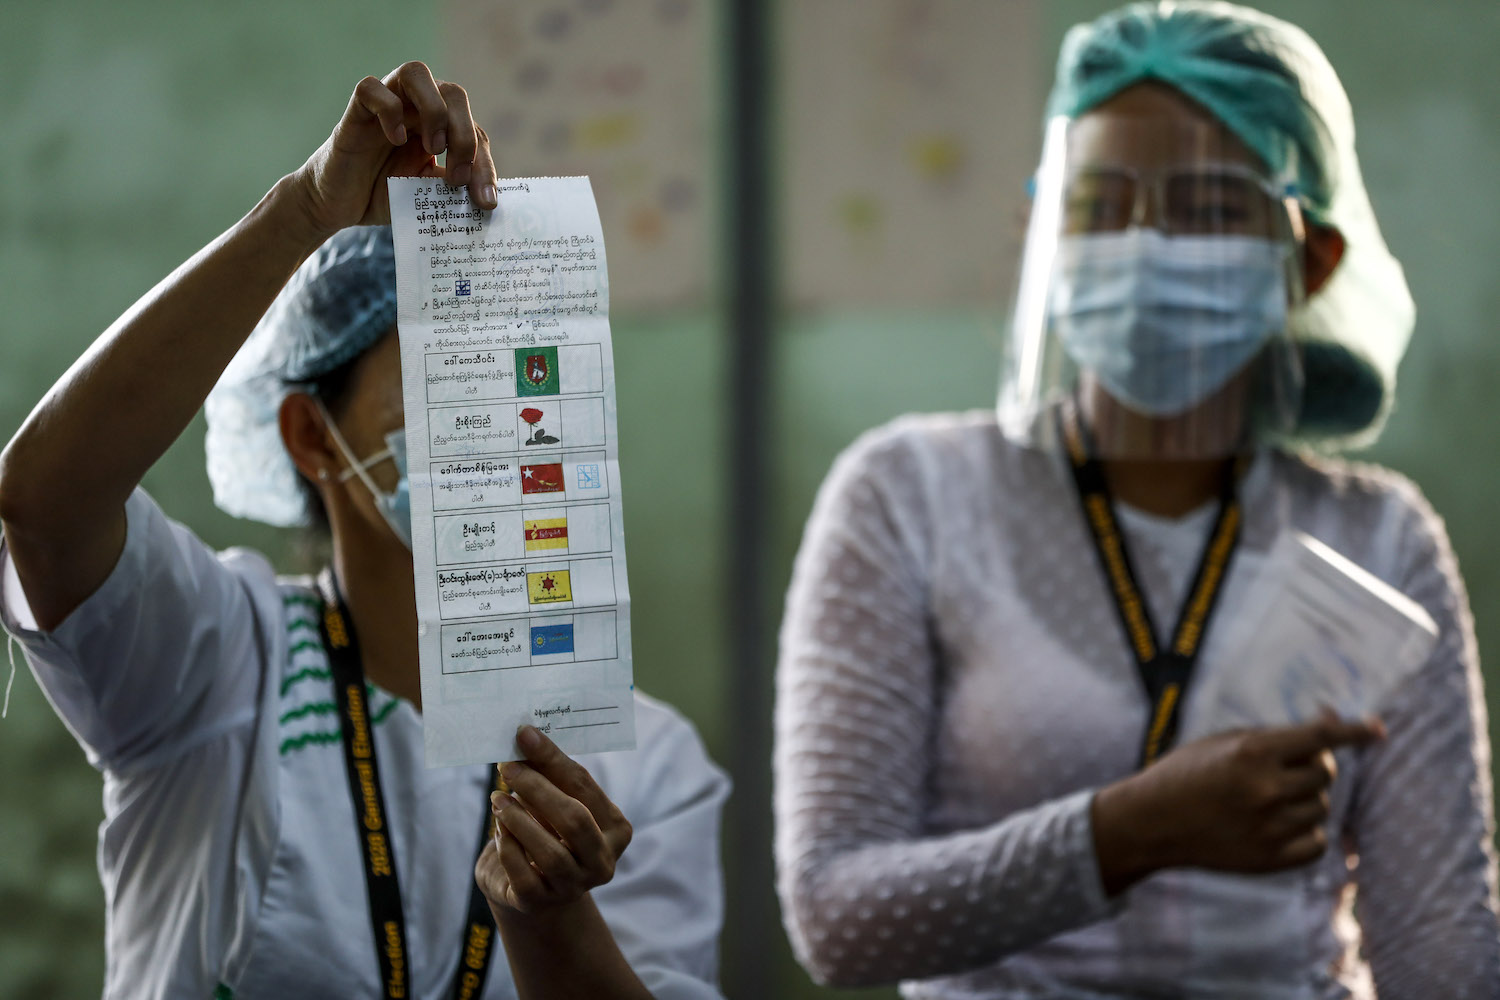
column 1165, row 673
column 479, row 926
column 387, row 917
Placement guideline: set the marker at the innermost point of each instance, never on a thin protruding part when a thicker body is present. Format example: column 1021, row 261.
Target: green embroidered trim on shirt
column 311, row 708
column 315, row 673
column 325, row 737
column 311, row 624
column 304, row 599
column 327, row 708
column 311, row 673
column 299, row 742
column 319, row 673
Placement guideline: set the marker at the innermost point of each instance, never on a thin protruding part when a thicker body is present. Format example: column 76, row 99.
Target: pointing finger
column 1299, row 743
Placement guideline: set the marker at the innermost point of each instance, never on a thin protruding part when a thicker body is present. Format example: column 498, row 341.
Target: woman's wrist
column 287, row 209
column 565, row 951
column 1130, row 839
column 551, row 920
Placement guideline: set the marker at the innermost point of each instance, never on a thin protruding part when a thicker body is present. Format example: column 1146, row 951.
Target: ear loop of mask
column 356, row 467
column 10, row 649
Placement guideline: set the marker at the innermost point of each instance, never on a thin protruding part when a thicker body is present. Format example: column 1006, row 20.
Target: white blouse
column 954, row 686
column 198, row 684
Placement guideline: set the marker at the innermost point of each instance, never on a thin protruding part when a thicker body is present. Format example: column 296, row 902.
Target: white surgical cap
column 336, row 305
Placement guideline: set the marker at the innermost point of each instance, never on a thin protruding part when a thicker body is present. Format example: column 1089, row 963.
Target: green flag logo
column 536, row 371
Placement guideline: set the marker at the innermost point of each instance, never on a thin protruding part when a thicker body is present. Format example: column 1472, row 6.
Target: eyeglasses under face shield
column 1160, row 267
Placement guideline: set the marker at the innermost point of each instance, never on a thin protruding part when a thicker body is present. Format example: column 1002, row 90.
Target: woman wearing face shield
column 270, row 829
column 998, row 621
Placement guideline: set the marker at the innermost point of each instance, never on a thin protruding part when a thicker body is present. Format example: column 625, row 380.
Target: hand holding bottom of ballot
column 557, row 835
column 1249, row 801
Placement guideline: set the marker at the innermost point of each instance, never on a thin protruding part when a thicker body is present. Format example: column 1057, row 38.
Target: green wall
column 137, row 132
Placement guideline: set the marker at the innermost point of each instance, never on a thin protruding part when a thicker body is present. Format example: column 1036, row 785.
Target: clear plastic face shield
column 1161, row 264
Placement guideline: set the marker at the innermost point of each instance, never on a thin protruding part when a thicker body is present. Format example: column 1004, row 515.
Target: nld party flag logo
column 547, row 533
column 550, row 587
column 546, row 477
column 536, row 371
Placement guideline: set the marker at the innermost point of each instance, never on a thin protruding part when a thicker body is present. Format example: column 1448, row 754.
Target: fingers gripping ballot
column 373, row 97
column 446, row 124
column 396, row 127
column 557, row 835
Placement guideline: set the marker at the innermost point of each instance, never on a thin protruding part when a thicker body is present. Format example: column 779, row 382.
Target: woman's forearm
column 65, row 475
column 567, row 953
column 117, row 409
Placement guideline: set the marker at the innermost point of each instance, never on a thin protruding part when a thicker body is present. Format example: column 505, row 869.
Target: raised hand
column 395, row 127
column 557, row 834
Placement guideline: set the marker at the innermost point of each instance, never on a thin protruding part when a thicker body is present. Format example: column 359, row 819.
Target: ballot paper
column 507, row 374
column 1317, row 630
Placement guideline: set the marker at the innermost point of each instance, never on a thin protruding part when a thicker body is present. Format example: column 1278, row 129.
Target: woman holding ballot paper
column 270, row 829
column 1032, row 739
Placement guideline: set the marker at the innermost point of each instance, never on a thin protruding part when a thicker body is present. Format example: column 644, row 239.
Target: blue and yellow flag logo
column 549, row 639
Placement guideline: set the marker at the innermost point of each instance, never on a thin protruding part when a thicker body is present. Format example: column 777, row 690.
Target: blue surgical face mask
column 1164, row 322
column 394, row 507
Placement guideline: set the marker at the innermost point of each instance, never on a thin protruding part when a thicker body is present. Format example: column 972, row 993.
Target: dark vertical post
column 750, row 918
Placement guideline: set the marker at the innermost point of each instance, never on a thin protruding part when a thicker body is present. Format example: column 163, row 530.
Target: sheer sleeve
column 1422, row 818
column 868, row 896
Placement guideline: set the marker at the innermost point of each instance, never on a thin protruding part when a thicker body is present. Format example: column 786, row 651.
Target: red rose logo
column 531, row 414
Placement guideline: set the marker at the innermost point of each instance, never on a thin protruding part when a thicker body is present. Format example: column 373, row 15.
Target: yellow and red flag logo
column 546, row 533
column 550, row 587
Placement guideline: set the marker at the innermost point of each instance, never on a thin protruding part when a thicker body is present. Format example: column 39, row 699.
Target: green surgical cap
column 1271, row 85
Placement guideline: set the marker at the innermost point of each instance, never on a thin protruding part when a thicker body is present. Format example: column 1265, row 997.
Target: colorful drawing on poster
column 544, row 478
column 536, row 371
column 547, row 533
column 547, row 640
column 550, row 587
column 538, row 435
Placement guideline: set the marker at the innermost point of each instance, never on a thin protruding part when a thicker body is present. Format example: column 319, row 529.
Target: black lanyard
column 1164, row 672
column 387, row 919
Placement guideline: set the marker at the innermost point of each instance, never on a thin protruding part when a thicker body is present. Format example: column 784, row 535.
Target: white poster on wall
column 621, row 92
column 909, row 128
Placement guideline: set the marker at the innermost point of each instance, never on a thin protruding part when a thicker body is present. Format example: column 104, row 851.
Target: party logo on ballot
column 536, row 371
column 544, row 478
column 549, row 639
column 547, row 533
column 549, row 587
column 538, row 433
